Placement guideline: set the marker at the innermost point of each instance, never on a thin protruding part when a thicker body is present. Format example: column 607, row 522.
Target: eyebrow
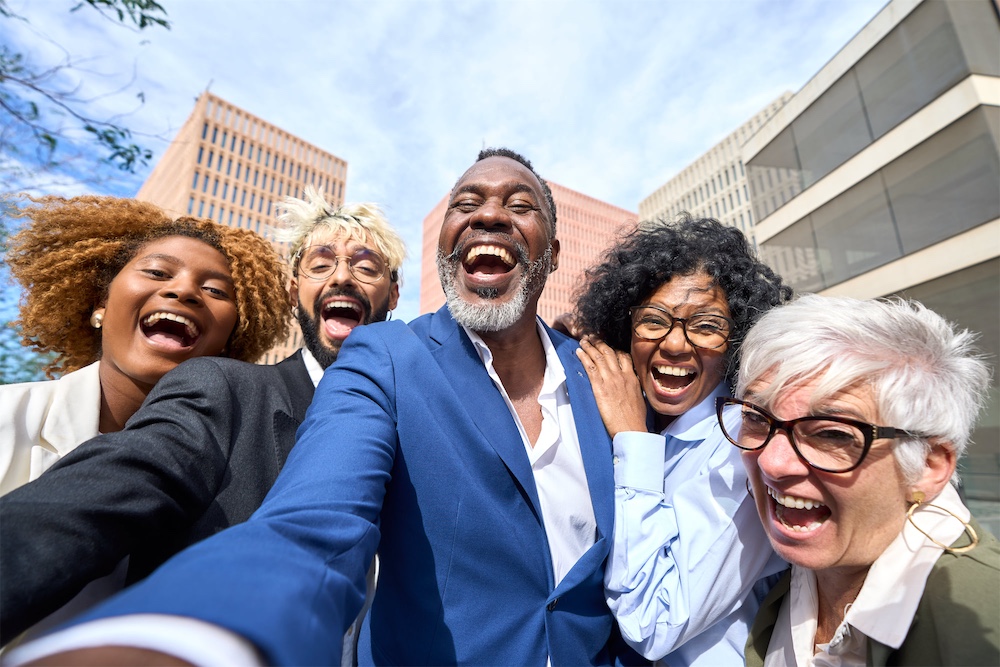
column 512, row 186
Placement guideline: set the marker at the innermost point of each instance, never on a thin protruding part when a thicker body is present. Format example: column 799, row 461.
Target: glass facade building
column 882, row 176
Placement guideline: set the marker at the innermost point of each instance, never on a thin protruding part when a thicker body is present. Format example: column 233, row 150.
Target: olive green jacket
column 957, row 621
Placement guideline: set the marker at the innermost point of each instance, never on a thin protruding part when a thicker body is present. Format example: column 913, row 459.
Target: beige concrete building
column 714, row 185
column 881, row 176
column 585, row 228
column 233, row 167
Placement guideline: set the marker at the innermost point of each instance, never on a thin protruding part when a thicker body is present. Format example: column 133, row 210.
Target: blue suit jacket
column 408, row 447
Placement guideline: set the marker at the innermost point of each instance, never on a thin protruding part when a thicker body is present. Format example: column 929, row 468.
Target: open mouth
column 673, row 379
column 488, row 260
column 340, row 316
column 800, row 515
column 170, row 331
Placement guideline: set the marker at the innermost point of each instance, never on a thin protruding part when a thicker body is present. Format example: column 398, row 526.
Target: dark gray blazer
column 199, row 456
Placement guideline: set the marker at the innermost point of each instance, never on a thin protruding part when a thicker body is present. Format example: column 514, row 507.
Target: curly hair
column 66, row 258
column 650, row 254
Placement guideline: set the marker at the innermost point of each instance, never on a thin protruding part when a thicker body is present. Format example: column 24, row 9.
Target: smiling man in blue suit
column 465, row 447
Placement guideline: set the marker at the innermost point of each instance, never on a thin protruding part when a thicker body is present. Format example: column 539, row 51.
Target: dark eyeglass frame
column 683, row 322
column 336, row 263
column 870, row 432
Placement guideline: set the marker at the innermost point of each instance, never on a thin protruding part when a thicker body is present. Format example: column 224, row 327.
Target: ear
column 938, row 469
column 393, row 296
column 555, row 254
column 293, row 292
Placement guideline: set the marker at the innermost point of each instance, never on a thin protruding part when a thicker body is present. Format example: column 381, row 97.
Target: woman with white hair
column 854, row 415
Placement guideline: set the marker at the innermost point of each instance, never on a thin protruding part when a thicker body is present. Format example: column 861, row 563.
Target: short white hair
column 300, row 219
column 925, row 374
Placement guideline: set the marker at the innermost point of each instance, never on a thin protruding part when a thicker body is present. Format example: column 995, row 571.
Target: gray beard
column 488, row 317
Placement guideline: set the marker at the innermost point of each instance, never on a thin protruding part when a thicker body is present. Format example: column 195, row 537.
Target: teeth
column 192, row 328
column 793, row 503
column 342, row 304
column 496, row 251
column 673, row 370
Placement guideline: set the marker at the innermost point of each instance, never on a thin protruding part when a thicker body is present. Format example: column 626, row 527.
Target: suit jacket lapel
column 595, row 444
column 484, row 404
column 300, row 387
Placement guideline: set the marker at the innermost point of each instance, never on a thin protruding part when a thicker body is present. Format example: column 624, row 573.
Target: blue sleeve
column 687, row 550
column 292, row 578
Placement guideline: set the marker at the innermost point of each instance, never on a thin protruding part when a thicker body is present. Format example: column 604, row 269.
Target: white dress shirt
column 885, row 605
column 690, row 562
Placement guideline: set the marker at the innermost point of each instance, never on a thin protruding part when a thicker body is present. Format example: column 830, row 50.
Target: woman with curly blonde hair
column 121, row 295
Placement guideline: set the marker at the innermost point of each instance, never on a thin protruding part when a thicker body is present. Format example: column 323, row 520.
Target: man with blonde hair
column 207, row 445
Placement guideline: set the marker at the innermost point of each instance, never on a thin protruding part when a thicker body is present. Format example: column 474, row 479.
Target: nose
column 675, row 341
column 184, row 289
column 778, row 459
column 341, row 272
column 491, row 215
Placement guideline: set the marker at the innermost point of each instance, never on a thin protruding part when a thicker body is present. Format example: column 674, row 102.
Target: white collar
column 696, row 423
column 555, row 375
column 312, row 366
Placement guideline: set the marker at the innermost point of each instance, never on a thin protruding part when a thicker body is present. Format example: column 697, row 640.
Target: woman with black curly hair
column 663, row 316
column 121, row 295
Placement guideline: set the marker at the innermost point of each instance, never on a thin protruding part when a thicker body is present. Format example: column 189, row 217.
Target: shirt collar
column 555, row 375
column 696, row 424
column 312, row 366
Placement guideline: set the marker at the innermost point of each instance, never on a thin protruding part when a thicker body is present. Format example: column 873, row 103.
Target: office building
column 585, row 228
column 714, row 185
column 881, row 177
column 233, row 167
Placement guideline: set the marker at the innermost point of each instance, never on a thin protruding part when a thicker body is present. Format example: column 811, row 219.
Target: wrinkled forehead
column 497, row 171
column 348, row 239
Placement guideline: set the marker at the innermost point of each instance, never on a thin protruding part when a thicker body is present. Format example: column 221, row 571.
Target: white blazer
column 43, row 421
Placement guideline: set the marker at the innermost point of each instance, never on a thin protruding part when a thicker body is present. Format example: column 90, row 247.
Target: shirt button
column 552, row 605
column 615, row 459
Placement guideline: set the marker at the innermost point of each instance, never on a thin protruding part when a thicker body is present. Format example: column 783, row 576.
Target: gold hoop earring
column 295, row 312
column 389, row 316
column 918, row 501
column 97, row 319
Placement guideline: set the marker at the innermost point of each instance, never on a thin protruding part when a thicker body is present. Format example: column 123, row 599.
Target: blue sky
column 608, row 98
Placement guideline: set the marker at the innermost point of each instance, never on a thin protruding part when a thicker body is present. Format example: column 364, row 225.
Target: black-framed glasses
column 830, row 444
column 320, row 261
column 701, row 330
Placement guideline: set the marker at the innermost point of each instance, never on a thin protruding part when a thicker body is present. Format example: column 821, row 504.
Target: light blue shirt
column 690, row 562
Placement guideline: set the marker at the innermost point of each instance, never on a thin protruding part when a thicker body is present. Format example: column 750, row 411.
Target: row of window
column 322, row 181
column 226, row 216
column 267, row 134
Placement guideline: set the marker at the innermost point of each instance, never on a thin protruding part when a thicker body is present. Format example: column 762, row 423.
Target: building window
column 201, row 208
column 204, row 184
column 204, row 130
column 243, row 199
column 201, row 153
column 252, row 197
column 242, row 146
column 190, row 205
column 223, row 144
column 215, row 188
column 211, row 210
column 256, row 173
column 222, row 213
column 225, row 190
column 194, row 185
column 229, row 166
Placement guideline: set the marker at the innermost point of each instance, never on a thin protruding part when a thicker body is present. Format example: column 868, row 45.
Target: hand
column 616, row 388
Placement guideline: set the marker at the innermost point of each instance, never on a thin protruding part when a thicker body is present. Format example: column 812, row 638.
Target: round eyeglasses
column 320, row 261
column 830, row 444
column 705, row 331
